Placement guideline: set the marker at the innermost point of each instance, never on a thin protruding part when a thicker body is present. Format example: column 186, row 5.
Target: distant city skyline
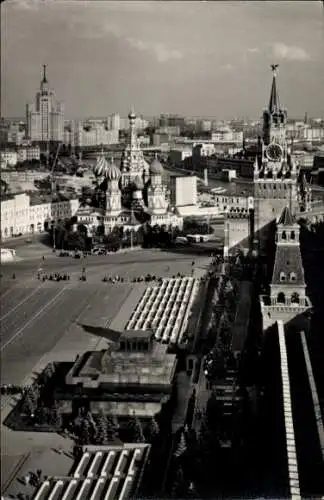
column 211, row 60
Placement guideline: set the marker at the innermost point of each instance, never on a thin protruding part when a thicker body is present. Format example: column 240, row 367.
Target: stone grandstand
column 101, row 473
column 165, row 309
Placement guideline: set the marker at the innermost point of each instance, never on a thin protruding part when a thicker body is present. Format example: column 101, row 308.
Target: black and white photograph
column 162, row 249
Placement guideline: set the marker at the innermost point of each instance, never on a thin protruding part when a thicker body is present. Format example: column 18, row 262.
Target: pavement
column 40, row 322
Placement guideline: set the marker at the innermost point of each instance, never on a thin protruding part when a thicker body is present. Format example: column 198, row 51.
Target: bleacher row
column 289, row 425
column 165, row 309
column 102, row 473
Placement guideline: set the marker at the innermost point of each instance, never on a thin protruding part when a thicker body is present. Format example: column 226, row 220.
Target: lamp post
column 54, row 237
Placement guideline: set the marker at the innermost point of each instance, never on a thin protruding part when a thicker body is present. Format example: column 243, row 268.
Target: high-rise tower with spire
column 275, row 176
column 275, row 183
column 45, row 117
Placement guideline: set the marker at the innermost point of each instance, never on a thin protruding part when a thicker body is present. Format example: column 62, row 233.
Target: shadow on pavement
column 106, row 333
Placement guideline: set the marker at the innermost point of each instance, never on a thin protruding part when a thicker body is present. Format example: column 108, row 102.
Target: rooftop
column 111, row 367
column 102, row 472
column 286, row 218
column 288, row 260
column 39, row 199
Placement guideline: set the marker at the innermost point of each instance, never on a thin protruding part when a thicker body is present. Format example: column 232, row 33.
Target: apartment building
column 9, row 157
column 45, row 116
column 28, row 214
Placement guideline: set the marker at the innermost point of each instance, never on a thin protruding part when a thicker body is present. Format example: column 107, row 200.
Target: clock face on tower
column 274, row 152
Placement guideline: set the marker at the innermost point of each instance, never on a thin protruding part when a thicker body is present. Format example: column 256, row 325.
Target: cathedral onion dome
column 156, row 167
column 138, row 183
column 100, row 167
column 112, row 173
column 131, row 115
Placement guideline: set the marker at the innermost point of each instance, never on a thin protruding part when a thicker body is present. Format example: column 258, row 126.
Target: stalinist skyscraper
column 45, row 117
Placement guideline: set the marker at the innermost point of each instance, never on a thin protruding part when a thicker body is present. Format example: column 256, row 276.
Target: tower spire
column 44, row 74
column 274, row 97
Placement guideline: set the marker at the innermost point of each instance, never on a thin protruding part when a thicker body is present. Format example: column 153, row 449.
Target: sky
column 206, row 58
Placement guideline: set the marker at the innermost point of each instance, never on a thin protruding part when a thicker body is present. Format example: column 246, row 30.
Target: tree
column 207, row 443
column 55, row 416
column 76, row 241
column 112, row 429
column 48, row 372
column 101, row 434
column 135, row 430
column 41, row 414
column 152, row 430
column 34, row 392
column 178, row 483
column 92, row 422
column 82, row 230
column 181, row 446
column 85, row 431
column 29, row 405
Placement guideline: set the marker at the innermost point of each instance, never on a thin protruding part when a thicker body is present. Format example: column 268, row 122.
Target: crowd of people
column 12, row 389
column 139, row 279
column 53, row 277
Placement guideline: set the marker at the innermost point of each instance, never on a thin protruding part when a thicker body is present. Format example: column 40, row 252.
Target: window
column 292, row 235
column 293, row 277
column 281, row 299
column 284, row 236
column 294, row 298
column 282, row 277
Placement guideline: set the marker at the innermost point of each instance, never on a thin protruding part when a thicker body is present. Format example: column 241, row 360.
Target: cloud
column 26, row 4
column 137, row 44
column 227, row 67
column 253, row 50
column 289, row 52
column 163, row 54
column 159, row 50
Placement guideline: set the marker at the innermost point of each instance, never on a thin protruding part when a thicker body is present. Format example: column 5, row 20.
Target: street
column 41, row 321
column 35, row 314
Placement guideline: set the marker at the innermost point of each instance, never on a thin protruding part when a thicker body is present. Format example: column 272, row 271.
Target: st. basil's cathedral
column 135, row 192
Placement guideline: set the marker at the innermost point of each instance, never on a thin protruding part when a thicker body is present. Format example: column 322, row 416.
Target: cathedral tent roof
column 133, row 221
column 100, row 167
column 274, row 96
column 138, row 183
column 112, row 172
column 286, row 218
column 156, row 167
column 288, row 261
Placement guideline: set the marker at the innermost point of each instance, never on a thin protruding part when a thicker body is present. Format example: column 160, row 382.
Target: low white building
column 93, row 135
column 9, row 157
column 183, row 190
column 89, row 217
column 226, row 134
column 218, row 206
column 14, row 215
column 23, row 214
column 28, row 153
column 203, row 149
column 169, row 219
